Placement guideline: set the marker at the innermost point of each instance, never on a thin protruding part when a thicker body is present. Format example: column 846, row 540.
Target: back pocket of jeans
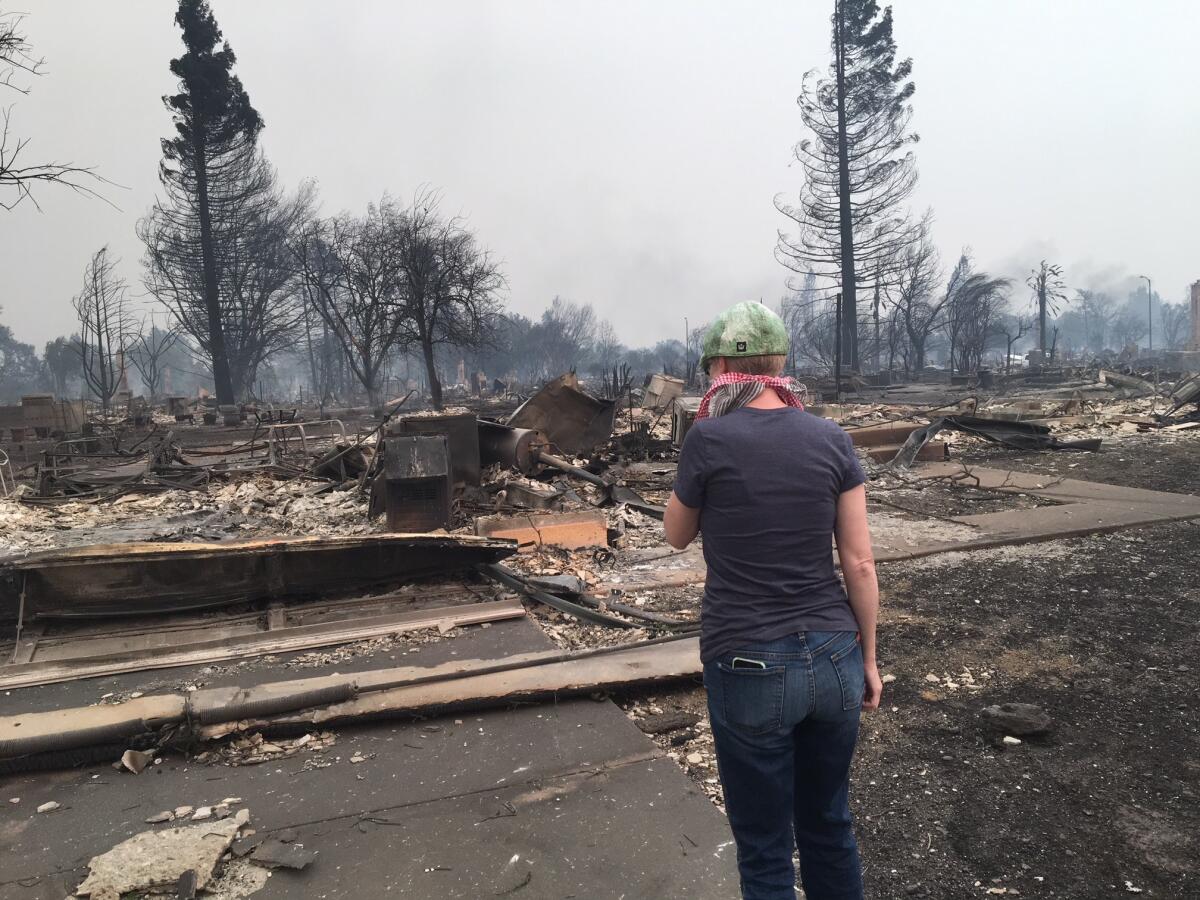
column 752, row 698
column 848, row 663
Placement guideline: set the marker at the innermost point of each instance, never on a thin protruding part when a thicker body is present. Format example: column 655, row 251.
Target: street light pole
column 1149, row 311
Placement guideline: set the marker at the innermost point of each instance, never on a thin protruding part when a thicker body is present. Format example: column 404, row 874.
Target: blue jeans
column 785, row 735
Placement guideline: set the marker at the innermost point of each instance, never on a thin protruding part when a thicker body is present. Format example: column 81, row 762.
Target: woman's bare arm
column 681, row 523
column 858, row 568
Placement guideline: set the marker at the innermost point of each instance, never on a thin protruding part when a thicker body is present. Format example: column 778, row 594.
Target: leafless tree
column 104, row 327
column 352, row 278
column 450, row 286
column 919, row 311
column 607, row 347
column 1048, row 292
column 565, row 334
column 1013, row 328
column 1175, row 322
column 1128, row 327
column 17, row 177
column 148, row 350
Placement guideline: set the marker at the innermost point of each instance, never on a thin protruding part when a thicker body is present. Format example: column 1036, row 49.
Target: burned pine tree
column 352, row 278
column 450, row 289
column 209, row 175
column 857, row 168
column 104, row 327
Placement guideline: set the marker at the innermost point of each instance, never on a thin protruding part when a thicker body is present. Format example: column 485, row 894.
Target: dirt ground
column 1100, row 632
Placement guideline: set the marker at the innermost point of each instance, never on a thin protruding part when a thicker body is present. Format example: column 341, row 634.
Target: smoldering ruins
column 328, row 574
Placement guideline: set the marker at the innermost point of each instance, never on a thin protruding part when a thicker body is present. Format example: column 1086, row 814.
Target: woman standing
column 788, row 653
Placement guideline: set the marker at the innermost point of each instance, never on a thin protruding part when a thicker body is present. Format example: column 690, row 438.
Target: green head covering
column 745, row 329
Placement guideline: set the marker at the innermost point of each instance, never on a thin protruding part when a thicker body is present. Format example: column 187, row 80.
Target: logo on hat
column 741, row 346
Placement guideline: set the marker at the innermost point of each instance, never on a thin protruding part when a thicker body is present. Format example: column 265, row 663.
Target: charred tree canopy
column 351, row 276
column 253, row 224
column 400, row 278
column 450, row 289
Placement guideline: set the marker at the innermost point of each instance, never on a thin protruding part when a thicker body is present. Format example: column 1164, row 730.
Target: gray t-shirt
column 766, row 482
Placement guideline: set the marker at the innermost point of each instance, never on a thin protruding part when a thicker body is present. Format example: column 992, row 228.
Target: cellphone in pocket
column 742, row 663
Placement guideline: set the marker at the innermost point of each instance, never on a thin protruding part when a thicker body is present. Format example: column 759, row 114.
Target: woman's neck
column 768, row 399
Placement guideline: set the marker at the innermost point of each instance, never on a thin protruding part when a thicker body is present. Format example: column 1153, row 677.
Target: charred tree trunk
column 222, row 379
column 849, row 313
column 435, row 383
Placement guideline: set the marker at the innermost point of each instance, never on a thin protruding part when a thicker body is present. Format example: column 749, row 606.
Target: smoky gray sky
column 626, row 154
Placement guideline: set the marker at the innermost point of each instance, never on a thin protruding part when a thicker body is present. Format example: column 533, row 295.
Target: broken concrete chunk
column 1011, row 741
column 158, row 818
column 50, row 806
column 1023, row 719
column 157, row 859
column 136, row 760
column 204, row 812
column 184, row 811
column 274, row 853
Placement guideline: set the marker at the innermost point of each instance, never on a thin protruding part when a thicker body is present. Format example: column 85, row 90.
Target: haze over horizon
column 627, row 155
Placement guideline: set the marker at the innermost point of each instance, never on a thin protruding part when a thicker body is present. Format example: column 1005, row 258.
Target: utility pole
column 1149, row 311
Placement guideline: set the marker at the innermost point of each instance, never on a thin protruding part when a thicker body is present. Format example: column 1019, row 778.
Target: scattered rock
column 274, row 853
column 49, row 806
column 182, row 812
column 516, row 874
column 1023, row 719
column 158, row 818
column 888, row 678
column 695, row 758
column 204, row 812
column 1011, row 741
column 136, row 760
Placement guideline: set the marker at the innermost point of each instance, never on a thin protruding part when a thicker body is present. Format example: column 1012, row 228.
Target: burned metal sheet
column 136, row 579
column 1014, row 435
column 573, row 421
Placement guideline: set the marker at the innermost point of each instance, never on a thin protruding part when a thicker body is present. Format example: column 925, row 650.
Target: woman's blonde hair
column 755, row 365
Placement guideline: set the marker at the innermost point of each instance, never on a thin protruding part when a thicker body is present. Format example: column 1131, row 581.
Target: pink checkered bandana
column 735, row 389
